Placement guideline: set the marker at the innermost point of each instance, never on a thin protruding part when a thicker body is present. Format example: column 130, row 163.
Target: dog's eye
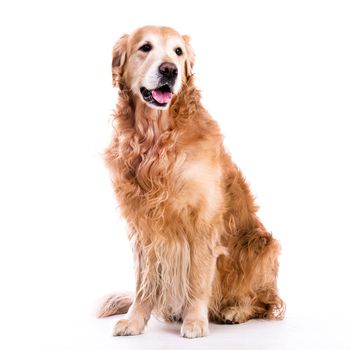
column 178, row 51
column 145, row 48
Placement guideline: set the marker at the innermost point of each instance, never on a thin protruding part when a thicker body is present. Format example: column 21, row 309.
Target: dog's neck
column 146, row 116
column 145, row 134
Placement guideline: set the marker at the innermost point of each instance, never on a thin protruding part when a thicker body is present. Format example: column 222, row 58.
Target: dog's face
column 153, row 62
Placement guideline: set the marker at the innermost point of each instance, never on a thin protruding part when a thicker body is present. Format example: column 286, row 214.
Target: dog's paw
column 128, row 327
column 236, row 314
column 195, row 329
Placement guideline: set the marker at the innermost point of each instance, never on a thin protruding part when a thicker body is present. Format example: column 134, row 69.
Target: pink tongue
column 161, row 97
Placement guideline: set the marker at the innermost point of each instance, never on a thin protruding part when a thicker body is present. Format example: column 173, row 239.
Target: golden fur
column 200, row 249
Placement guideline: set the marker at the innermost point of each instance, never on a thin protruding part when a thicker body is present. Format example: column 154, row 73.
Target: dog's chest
column 198, row 185
column 178, row 180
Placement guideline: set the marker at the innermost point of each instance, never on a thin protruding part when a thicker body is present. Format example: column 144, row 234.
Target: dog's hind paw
column 236, row 314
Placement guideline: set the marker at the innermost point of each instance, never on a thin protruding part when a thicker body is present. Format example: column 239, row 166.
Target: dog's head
column 153, row 63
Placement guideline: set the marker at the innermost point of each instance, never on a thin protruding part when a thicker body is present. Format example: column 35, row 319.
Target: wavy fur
column 197, row 240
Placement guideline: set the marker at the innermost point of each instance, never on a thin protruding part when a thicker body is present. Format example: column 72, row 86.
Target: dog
column 201, row 253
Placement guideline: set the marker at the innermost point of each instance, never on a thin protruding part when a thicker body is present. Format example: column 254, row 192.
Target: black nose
column 168, row 70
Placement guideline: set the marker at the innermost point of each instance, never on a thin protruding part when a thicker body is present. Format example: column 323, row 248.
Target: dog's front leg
column 140, row 311
column 135, row 320
column 195, row 317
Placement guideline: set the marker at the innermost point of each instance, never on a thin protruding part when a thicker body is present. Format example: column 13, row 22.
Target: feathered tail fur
column 115, row 304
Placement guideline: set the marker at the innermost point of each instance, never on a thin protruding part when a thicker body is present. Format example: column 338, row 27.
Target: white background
column 276, row 76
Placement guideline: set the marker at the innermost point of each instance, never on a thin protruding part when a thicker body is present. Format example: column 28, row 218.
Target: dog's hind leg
column 248, row 285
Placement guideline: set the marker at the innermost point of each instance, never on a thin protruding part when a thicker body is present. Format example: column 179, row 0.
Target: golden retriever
column 201, row 253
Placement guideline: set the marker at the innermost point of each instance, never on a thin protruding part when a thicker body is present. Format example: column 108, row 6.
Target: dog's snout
column 168, row 70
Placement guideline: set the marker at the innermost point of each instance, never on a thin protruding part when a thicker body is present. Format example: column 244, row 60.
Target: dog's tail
column 115, row 304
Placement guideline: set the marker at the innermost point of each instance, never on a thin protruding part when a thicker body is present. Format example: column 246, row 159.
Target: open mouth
column 160, row 96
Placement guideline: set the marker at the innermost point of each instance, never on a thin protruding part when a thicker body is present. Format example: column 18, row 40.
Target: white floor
column 88, row 333
column 293, row 333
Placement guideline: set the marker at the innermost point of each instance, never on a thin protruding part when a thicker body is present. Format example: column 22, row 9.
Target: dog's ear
column 190, row 56
column 119, row 58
